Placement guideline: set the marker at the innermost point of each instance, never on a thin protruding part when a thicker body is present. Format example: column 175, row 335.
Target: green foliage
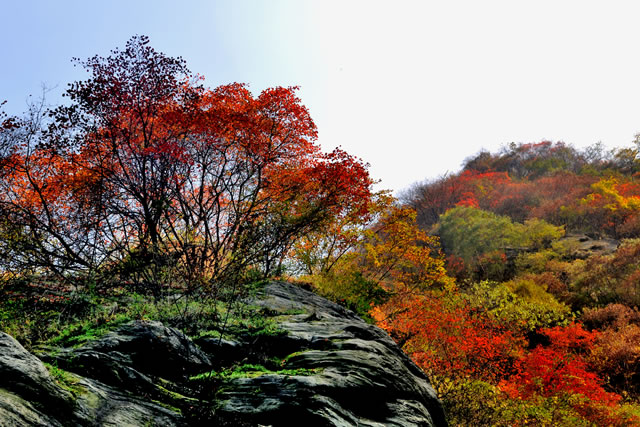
column 537, row 233
column 351, row 289
column 520, row 305
column 105, row 315
column 546, row 259
column 480, row 238
column 84, row 317
column 256, row 324
column 78, row 333
column 66, row 380
column 534, row 262
column 470, row 232
column 249, row 371
column 471, row 402
column 34, row 311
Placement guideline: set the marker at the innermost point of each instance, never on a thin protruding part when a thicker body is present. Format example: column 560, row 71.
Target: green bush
column 519, row 304
column 350, row 289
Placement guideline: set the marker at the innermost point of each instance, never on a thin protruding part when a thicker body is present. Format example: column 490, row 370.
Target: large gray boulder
column 322, row 366
column 135, row 355
column 23, row 373
column 30, row 396
column 360, row 376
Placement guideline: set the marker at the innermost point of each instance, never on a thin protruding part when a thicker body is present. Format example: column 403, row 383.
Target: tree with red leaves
column 448, row 338
column 146, row 170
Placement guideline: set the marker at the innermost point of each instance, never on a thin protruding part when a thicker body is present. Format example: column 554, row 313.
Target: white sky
column 412, row 87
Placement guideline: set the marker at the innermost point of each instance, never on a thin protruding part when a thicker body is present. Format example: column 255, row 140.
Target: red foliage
column 443, row 335
column 469, row 188
column 468, row 199
column 554, row 197
column 560, row 367
column 146, row 160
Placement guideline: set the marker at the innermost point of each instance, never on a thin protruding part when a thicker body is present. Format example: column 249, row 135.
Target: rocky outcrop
column 362, row 377
column 582, row 246
column 135, row 356
column 322, row 365
column 30, row 396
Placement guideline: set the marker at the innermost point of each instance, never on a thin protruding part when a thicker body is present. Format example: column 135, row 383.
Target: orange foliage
column 444, row 336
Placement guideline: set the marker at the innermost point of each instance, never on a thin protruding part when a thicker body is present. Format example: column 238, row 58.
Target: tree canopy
column 147, row 169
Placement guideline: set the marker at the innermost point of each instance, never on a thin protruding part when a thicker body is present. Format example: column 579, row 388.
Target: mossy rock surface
column 306, row 361
column 356, row 373
column 32, row 396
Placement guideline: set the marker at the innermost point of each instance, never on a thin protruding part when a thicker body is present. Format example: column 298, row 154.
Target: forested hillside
column 514, row 283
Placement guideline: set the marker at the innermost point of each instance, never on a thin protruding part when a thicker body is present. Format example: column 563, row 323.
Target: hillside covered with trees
column 514, row 284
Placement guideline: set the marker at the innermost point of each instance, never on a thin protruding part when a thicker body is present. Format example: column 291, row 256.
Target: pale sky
column 412, row 87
